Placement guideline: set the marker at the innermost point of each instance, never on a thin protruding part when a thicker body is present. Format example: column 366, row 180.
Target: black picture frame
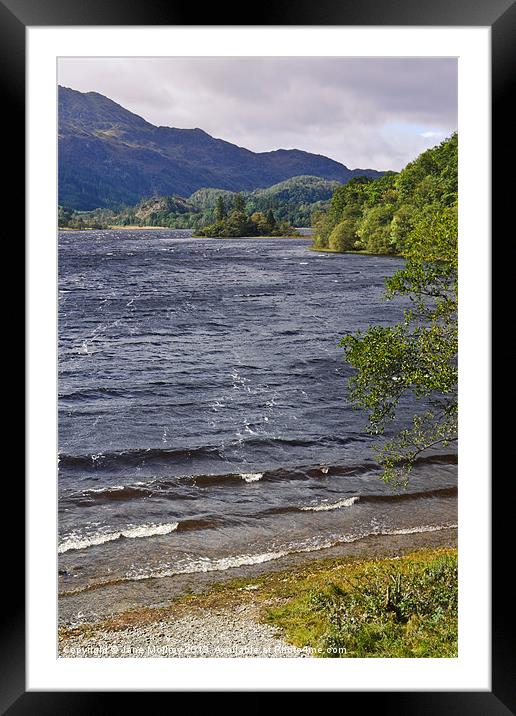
column 500, row 16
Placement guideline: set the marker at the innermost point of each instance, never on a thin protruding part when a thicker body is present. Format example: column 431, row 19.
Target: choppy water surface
column 203, row 420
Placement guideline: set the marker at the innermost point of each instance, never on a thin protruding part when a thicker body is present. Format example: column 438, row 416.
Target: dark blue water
column 203, row 413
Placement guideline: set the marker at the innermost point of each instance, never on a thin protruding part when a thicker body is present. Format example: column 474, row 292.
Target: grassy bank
column 389, row 607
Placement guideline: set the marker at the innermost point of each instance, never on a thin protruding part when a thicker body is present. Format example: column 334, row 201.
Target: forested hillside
column 292, row 201
column 378, row 216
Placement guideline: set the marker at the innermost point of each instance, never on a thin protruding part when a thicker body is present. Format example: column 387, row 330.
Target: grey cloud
column 378, row 112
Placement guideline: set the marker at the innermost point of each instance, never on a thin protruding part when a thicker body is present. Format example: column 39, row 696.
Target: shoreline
column 236, row 611
column 238, row 238
column 116, row 227
column 355, row 253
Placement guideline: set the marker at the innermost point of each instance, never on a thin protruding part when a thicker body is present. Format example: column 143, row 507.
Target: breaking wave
column 325, row 506
column 135, row 532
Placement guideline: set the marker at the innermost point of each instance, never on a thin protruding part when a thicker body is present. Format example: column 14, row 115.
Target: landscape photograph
column 257, row 357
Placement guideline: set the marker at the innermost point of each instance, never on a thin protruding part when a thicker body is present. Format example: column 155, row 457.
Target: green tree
column 260, row 220
column 417, row 357
column 64, row 216
column 343, row 236
column 220, row 209
column 374, row 229
column 239, row 205
column 346, row 203
column 401, row 227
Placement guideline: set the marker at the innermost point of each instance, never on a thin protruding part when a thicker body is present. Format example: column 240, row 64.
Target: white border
column 471, row 670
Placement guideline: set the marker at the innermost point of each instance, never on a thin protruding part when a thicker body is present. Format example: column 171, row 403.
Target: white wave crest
column 419, row 528
column 325, row 506
column 107, row 490
column 223, row 563
column 137, row 532
column 251, row 476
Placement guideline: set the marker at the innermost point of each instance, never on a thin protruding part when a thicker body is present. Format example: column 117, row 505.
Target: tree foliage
column 343, row 236
column 220, row 209
column 239, row 223
column 416, row 358
column 293, row 200
column 381, row 214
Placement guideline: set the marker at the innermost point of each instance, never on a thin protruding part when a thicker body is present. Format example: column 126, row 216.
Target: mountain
column 109, row 157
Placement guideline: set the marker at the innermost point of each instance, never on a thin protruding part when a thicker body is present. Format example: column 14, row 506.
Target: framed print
column 259, row 450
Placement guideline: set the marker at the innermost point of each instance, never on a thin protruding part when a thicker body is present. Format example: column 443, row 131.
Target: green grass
column 389, row 608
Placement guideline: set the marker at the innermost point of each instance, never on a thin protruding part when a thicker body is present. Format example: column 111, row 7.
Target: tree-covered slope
column 379, row 216
column 110, row 157
column 292, row 201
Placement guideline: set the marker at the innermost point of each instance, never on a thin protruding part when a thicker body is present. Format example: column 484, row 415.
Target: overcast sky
column 377, row 113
